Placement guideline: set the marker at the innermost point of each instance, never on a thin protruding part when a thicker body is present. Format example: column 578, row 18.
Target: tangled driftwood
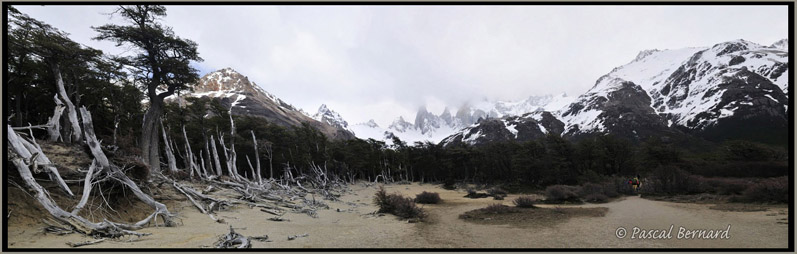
column 25, row 154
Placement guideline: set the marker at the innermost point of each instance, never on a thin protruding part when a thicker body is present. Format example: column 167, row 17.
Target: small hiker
column 635, row 183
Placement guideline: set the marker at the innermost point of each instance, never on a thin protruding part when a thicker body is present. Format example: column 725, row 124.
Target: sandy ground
column 352, row 224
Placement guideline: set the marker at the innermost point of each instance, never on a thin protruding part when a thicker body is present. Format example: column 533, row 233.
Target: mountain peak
column 323, row 109
column 733, row 46
column 401, row 125
column 781, row 44
column 644, row 53
column 225, row 80
column 371, row 123
column 328, row 116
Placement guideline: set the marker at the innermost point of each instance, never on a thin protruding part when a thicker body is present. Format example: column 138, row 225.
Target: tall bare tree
column 161, row 65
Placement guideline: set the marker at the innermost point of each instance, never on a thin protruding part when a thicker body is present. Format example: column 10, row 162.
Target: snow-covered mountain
column 428, row 126
column 328, row 116
column 693, row 87
column 529, row 126
column 781, row 44
column 735, row 89
column 243, row 97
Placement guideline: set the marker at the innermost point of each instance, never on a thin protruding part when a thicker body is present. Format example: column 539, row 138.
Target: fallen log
column 85, row 243
column 232, row 239
column 290, row 238
column 77, row 223
column 263, row 238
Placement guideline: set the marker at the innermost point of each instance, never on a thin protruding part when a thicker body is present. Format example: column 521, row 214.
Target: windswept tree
column 32, row 42
column 161, row 65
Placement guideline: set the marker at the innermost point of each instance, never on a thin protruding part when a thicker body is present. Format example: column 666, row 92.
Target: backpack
column 636, row 181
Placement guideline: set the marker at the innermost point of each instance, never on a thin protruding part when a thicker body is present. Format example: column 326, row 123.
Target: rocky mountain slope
column 243, row 97
column 735, row 89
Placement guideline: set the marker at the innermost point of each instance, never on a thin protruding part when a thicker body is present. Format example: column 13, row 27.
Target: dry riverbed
column 353, row 223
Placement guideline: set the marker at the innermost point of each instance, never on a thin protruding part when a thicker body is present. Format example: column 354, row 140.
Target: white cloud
column 383, row 61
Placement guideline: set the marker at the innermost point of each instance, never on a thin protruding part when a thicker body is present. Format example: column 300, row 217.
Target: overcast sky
column 384, row 61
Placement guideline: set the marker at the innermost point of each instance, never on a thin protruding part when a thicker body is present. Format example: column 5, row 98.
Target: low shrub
column 596, row 198
column 671, row 180
column 772, row 190
column 590, row 188
column 474, row 194
column 497, row 209
column 497, row 193
column 597, row 192
column 727, row 186
column 428, row 198
column 397, row 205
column 610, row 190
column 524, row 202
column 449, row 185
column 561, row 193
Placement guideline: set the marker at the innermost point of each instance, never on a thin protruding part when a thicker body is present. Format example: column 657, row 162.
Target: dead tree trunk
column 191, row 165
column 54, row 125
column 115, row 172
column 204, row 169
column 34, row 155
column 86, row 188
column 229, row 154
column 79, row 224
column 169, row 152
column 270, row 154
column 232, row 159
column 257, row 159
column 92, row 142
column 216, row 160
column 70, row 108
column 252, row 169
column 115, row 127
